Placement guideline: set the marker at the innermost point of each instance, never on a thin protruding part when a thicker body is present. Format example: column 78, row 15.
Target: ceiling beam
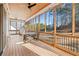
column 40, row 9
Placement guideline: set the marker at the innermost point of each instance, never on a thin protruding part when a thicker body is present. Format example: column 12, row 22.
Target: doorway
column 16, row 26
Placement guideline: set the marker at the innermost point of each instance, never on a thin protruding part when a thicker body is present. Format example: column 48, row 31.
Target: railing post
column 54, row 14
column 73, row 18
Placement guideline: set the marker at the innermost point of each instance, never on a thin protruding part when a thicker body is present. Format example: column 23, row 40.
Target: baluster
column 71, row 47
column 64, row 42
column 73, row 44
column 68, row 42
column 76, row 44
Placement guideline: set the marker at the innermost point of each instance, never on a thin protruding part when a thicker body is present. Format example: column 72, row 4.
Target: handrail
column 67, row 35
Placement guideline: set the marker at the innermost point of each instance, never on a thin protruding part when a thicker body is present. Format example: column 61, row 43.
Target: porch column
column 35, row 23
column 9, row 25
column 16, row 26
column 54, row 14
column 73, row 18
column 45, row 22
column 38, row 27
column 39, row 23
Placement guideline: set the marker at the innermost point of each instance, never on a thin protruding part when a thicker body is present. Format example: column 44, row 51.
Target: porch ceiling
column 21, row 10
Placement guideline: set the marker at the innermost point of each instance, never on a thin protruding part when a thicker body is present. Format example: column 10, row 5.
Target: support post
column 39, row 23
column 16, row 26
column 45, row 22
column 38, row 27
column 73, row 18
column 54, row 14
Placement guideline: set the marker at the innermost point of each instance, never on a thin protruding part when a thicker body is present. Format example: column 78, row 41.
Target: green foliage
column 63, row 10
column 77, row 5
column 42, row 26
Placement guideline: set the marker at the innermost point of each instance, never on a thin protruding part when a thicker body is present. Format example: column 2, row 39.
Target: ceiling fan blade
column 31, row 5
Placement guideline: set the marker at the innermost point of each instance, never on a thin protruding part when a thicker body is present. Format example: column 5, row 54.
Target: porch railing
column 68, row 43
column 65, row 42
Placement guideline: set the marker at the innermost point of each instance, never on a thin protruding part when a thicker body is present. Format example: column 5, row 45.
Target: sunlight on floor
column 40, row 51
column 20, row 43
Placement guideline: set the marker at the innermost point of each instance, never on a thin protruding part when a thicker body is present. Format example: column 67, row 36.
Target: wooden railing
column 68, row 43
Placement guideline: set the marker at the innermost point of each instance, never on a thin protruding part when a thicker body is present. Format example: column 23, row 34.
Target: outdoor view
column 77, row 17
column 63, row 19
column 16, row 26
column 49, row 21
column 64, row 15
column 63, row 25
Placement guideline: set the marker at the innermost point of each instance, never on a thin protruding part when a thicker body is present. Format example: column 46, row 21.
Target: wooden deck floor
column 16, row 47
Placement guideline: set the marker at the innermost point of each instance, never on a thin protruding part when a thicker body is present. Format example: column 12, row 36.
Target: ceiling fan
column 31, row 5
